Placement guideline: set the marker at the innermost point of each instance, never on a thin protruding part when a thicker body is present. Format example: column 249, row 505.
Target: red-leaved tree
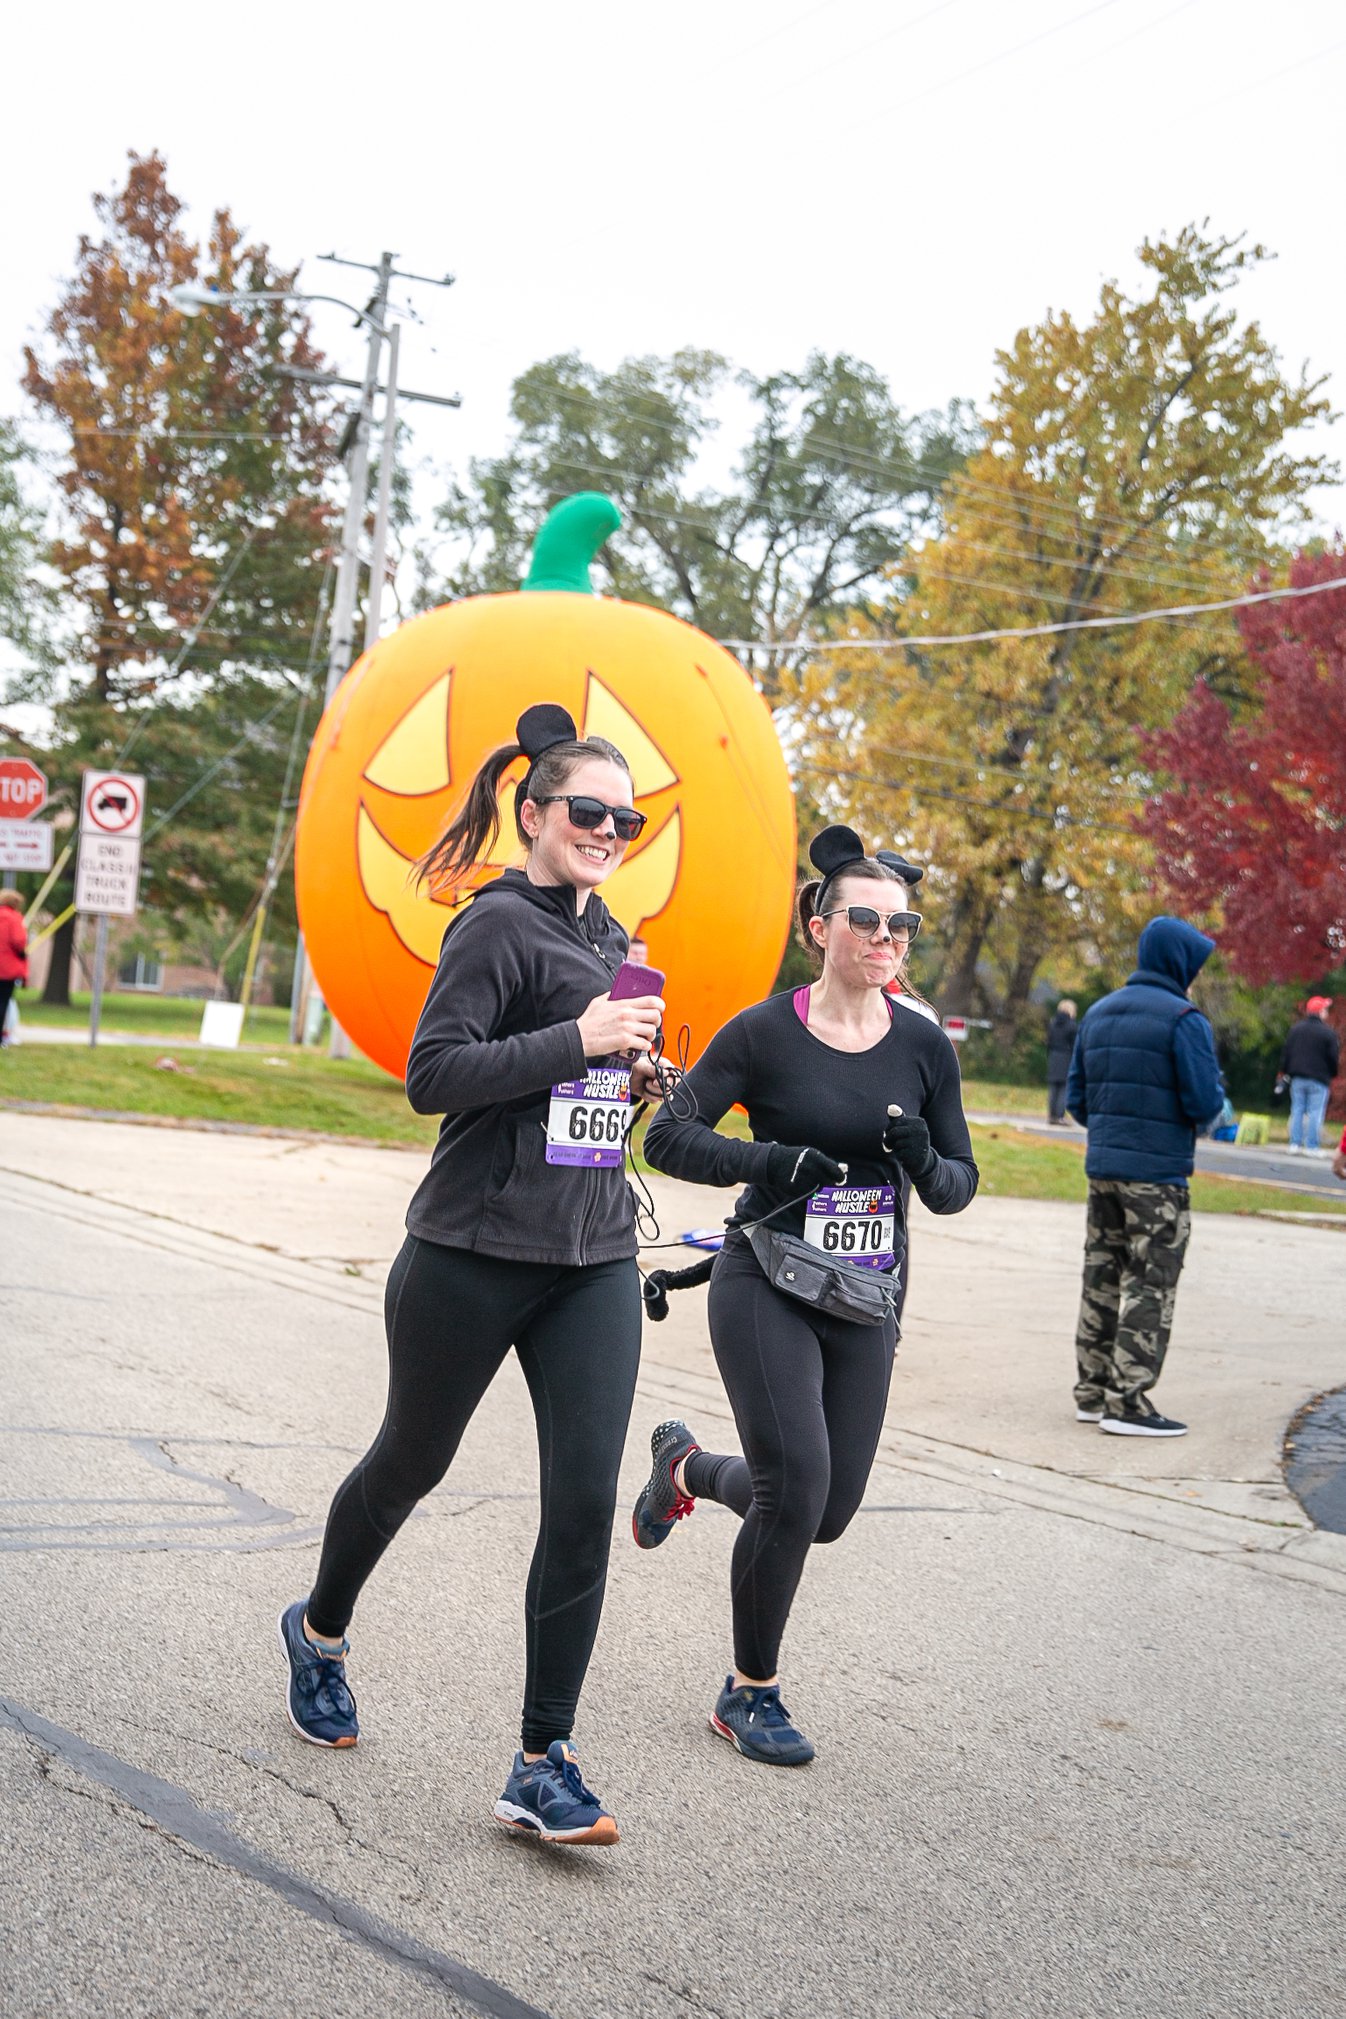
column 1254, row 820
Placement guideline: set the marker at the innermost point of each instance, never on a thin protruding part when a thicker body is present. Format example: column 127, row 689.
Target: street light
column 190, row 297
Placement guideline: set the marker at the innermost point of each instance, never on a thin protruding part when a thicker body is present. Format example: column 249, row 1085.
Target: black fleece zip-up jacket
column 499, row 1029
column 799, row 1090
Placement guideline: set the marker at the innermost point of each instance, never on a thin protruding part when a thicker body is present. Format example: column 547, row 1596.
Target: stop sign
column 23, row 789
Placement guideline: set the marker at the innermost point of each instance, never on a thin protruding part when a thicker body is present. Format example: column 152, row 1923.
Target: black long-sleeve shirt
column 799, row 1090
column 1312, row 1051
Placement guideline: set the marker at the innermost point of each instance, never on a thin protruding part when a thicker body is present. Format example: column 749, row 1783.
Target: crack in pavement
column 257, row 1761
column 170, row 1810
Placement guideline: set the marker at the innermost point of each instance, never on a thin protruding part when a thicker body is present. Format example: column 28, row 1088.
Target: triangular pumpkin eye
column 413, row 758
column 606, row 716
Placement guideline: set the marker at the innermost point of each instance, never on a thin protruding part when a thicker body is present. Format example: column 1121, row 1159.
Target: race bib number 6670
column 586, row 1121
column 856, row 1223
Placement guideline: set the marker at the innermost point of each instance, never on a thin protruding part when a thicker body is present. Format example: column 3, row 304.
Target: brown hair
column 806, row 908
column 475, row 827
column 11, row 897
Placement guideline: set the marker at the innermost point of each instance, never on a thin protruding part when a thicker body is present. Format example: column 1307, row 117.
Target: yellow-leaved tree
column 1142, row 460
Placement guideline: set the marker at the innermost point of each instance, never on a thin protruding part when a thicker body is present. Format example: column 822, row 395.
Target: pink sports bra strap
column 801, row 1003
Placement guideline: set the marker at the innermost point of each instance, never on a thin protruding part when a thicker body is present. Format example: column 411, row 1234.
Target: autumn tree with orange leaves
column 197, row 518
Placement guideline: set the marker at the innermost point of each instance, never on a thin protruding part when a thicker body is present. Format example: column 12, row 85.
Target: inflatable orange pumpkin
column 709, row 883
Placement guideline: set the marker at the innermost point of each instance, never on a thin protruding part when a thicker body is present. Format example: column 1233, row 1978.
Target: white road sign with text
column 108, row 876
column 25, row 844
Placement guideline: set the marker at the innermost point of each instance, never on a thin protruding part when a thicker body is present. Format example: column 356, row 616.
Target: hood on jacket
column 1172, row 950
column 554, row 897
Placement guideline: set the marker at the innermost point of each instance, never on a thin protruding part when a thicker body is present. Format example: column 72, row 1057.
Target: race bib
column 854, row 1222
column 586, row 1122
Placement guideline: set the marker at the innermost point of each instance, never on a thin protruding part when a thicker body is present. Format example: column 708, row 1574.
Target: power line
column 862, row 49
column 1032, row 630
column 203, row 779
column 640, row 509
column 1001, row 55
column 1012, row 809
column 1035, row 775
column 830, row 450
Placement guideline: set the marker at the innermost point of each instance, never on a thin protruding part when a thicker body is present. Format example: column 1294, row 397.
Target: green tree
column 25, row 599
column 832, row 483
column 1146, row 458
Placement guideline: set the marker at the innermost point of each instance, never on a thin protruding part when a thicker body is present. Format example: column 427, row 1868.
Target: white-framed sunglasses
column 864, row 921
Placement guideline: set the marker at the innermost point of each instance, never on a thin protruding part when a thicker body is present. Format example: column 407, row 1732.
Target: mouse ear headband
column 835, row 849
column 538, row 729
column 908, row 871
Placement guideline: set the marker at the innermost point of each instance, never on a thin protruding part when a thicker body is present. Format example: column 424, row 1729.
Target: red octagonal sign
column 23, row 789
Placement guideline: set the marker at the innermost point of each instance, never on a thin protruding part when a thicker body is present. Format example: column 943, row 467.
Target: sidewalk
column 1269, row 1165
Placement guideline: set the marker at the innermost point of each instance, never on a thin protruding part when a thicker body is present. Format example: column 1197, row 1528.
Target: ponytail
column 474, row 829
column 806, row 907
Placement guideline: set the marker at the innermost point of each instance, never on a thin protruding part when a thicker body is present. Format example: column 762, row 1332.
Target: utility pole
column 341, row 635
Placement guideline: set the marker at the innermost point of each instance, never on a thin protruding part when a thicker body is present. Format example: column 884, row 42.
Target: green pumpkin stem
column 567, row 541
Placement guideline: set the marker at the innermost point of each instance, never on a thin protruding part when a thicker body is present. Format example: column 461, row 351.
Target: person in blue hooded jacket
column 1143, row 1080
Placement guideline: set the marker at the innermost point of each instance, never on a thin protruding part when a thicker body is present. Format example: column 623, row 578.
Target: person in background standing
column 1143, row 1080
column 1311, row 1061
column 1061, row 1035
column 13, row 951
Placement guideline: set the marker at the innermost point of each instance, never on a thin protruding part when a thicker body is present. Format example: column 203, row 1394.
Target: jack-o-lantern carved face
column 709, row 882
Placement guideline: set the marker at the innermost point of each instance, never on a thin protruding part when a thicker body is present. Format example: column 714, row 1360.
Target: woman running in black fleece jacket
column 821, row 1074
column 522, row 1234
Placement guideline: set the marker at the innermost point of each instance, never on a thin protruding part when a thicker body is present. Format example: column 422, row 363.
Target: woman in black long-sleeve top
column 830, row 1078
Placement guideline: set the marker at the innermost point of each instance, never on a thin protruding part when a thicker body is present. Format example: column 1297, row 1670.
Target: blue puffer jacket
column 1144, row 1077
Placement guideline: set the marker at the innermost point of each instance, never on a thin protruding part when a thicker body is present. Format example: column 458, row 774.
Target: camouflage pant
column 1133, row 1254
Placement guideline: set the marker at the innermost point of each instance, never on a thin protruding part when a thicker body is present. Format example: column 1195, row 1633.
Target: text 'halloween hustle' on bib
column 709, row 883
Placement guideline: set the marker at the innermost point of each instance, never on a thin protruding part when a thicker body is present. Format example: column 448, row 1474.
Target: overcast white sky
column 907, row 180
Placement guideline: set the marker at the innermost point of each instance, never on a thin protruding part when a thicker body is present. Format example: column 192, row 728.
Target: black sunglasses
column 864, row 921
column 590, row 813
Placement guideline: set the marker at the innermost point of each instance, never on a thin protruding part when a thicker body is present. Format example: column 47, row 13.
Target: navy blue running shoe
column 661, row 1505
column 318, row 1699
column 757, row 1722
column 548, row 1799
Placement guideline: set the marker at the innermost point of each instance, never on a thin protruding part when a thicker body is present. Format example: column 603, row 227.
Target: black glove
column 792, row 1169
column 907, row 1138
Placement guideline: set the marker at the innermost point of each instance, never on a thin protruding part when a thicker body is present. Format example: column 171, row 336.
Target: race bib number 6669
column 586, row 1121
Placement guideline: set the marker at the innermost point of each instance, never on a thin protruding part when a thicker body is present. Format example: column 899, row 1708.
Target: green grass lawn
column 160, row 1016
column 284, row 1089
column 290, row 1089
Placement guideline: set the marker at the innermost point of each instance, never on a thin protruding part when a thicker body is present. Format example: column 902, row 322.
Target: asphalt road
column 1079, row 1734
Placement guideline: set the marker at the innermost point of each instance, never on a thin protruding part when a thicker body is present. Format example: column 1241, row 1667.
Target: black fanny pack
column 838, row 1288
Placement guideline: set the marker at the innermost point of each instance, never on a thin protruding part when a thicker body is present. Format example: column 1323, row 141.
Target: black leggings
column 452, row 1316
column 808, row 1394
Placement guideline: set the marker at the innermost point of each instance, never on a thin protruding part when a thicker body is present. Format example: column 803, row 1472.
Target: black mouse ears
column 908, row 871
column 834, row 848
column 543, row 725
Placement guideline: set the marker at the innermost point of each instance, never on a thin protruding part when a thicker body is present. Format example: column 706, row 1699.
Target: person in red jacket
column 13, row 950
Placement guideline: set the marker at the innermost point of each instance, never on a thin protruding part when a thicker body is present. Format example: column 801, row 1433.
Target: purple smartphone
column 632, row 981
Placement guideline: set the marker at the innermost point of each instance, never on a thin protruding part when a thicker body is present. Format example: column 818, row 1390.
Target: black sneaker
column 757, row 1724
column 1143, row 1423
column 661, row 1504
column 1092, row 1413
